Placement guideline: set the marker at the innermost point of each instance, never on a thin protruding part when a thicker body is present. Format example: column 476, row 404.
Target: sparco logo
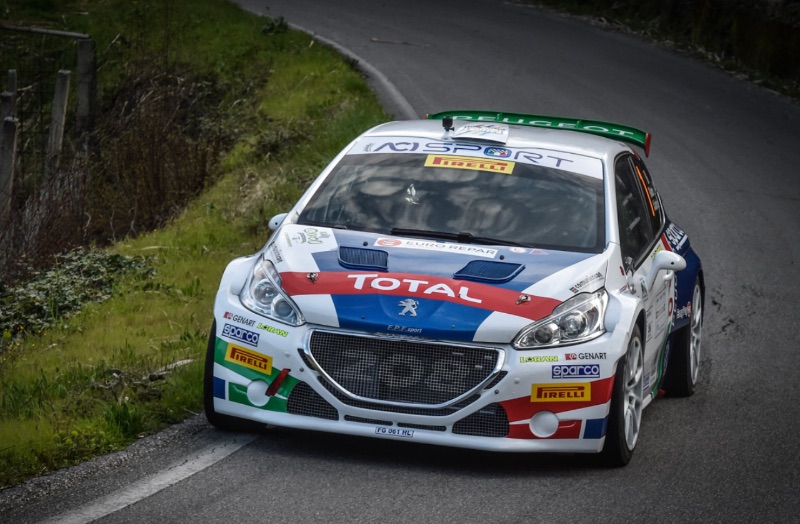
column 577, row 371
column 248, row 337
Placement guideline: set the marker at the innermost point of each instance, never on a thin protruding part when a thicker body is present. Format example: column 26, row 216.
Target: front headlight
column 579, row 319
column 262, row 294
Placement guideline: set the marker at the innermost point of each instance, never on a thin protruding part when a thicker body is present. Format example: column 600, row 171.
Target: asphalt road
column 725, row 158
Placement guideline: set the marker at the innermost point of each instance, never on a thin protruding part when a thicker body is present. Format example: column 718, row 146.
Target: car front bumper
column 552, row 400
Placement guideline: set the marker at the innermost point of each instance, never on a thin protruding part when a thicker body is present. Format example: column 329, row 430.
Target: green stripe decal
column 619, row 132
column 238, row 392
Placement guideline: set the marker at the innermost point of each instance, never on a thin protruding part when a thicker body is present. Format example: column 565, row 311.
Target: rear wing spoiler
column 619, row 132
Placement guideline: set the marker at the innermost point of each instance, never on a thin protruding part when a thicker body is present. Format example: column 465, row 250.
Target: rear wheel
column 218, row 420
column 684, row 359
column 625, row 418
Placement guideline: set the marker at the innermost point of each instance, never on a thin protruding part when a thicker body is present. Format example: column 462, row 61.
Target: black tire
column 684, row 359
column 218, row 420
column 626, row 399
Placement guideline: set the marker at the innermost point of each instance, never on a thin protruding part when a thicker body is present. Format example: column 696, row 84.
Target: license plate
column 394, row 432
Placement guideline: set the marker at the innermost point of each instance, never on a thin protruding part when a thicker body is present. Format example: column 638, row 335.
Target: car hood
column 425, row 288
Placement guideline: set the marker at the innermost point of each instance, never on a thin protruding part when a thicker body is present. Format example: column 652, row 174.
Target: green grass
column 94, row 381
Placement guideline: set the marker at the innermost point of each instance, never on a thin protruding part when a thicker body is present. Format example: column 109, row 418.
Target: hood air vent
column 486, row 271
column 357, row 258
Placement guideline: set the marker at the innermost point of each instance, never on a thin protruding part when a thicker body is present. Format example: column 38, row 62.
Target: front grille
column 305, row 401
column 401, row 371
column 500, row 376
column 363, row 420
column 490, row 421
column 421, row 426
column 408, row 410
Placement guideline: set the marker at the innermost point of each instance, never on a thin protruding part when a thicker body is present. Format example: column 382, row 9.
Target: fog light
column 544, row 424
column 257, row 393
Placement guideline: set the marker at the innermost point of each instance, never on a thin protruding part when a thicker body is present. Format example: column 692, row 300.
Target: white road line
column 154, row 483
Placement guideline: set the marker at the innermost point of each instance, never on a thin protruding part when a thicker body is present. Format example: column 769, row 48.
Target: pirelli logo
column 249, row 359
column 572, row 392
column 468, row 162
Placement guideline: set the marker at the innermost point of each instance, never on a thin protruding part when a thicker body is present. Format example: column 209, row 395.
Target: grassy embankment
column 93, row 381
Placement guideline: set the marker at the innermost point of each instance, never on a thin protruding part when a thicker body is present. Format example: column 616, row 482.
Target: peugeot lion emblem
column 409, row 306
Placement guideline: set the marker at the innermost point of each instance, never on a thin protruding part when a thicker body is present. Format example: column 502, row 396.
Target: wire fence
column 35, row 57
column 123, row 169
column 36, row 78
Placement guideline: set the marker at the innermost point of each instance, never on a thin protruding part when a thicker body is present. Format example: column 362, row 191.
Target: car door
column 640, row 224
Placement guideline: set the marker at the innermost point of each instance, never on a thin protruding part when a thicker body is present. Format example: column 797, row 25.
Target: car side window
column 653, row 201
column 634, row 217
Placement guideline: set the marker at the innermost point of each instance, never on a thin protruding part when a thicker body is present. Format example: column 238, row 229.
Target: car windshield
column 469, row 198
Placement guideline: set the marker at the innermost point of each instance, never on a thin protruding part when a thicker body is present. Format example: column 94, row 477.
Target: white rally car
column 493, row 281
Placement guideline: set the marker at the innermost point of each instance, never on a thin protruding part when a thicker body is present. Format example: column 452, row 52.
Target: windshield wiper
column 321, row 224
column 463, row 237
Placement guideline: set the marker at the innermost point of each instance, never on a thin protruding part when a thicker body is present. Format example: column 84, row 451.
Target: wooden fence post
column 8, row 156
column 7, row 108
column 86, row 81
column 57, row 122
column 12, row 88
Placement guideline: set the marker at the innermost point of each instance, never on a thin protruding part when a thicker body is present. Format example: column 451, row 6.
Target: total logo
column 240, row 334
column 411, row 286
column 585, row 356
column 576, row 371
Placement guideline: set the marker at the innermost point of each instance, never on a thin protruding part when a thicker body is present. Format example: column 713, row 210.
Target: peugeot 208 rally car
column 493, row 281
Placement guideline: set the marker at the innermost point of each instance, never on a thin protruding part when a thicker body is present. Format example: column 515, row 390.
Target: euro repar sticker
column 473, row 163
column 432, row 245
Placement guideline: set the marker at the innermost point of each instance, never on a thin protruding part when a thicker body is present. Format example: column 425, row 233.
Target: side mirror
column 664, row 260
column 276, row 221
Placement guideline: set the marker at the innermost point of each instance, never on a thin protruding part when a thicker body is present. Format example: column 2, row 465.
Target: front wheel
column 625, row 418
column 684, row 360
